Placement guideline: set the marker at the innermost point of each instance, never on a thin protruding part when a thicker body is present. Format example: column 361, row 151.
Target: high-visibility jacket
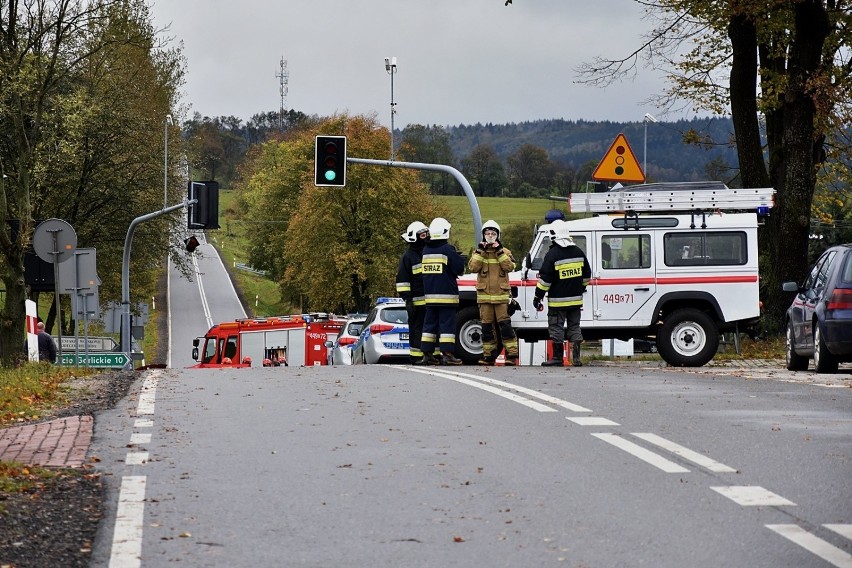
column 564, row 275
column 442, row 265
column 409, row 275
column 492, row 274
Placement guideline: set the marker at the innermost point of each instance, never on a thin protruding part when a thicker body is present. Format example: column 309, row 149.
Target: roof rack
column 671, row 197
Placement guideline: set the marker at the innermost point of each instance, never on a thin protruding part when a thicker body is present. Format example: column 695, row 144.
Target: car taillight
column 347, row 340
column 840, row 299
column 380, row 328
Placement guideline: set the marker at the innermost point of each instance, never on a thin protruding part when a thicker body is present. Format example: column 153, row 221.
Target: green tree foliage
column 430, row 145
column 334, row 249
column 485, row 172
column 530, row 172
column 84, row 92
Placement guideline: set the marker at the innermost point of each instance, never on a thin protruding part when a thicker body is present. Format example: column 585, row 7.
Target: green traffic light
column 330, row 175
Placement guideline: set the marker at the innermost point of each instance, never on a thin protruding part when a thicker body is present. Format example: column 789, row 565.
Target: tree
column 430, row 145
column 529, row 166
column 484, row 170
column 784, row 63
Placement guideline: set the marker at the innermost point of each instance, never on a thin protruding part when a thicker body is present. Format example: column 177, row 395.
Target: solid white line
column 201, row 293
column 127, row 538
column 686, row 453
column 753, row 496
column 842, row 530
column 814, row 544
column 136, row 458
column 234, row 290
column 529, row 392
column 592, row 421
column 148, row 395
column 510, row 396
column 647, row 456
column 140, row 438
column 169, row 311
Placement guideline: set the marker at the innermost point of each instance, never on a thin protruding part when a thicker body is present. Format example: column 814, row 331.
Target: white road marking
column 148, row 394
column 842, row 530
column 814, row 544
column 201, row 293
column 527, row 391
column 493, row 390
column 753, row 496
column 136, row 458
column 647, row 456
column 685, row 453
column 592, row 421
column 143, row 423
column 169, row 311
column 127, row 537
column 140, row 438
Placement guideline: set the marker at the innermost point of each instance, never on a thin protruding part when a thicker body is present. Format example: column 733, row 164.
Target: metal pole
column 393, row 112
column 56, row 253
column 645, row 151
column 166, row 164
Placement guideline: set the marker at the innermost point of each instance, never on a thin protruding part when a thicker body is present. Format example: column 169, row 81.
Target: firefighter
column 564, row 275
column 442, row 265
column 409, row 286
column 492, row 263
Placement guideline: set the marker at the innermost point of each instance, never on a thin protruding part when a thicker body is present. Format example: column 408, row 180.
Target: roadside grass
column 27, row 391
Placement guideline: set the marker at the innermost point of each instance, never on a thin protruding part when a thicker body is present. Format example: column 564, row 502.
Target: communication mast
column 284, row 77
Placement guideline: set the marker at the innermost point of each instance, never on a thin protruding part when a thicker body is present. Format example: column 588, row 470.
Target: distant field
column 505, row 210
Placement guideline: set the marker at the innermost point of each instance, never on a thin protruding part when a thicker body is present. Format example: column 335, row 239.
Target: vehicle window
column 354, row 328
column 812, row 277
column 824, row 269
column 231, row 347
column 370, row 317
column 699, row 248
column 395, row 315
column 626, row 251
column 209, row 350
column 846, row 273
column 542, row 252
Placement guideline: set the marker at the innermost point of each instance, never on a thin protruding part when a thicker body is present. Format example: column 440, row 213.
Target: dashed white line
column 753, row 496
column 592, row 421
column 143, row 423
column 686, row 453
column 814, row 544
column 148, row 395
column 140, row 438
column 136, row 458
column 127, row 537
column 643, row 454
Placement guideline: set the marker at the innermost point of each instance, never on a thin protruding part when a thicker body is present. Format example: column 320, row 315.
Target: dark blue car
column 819, row 322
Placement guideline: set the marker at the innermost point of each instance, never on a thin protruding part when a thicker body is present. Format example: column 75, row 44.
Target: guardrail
column 247, row 268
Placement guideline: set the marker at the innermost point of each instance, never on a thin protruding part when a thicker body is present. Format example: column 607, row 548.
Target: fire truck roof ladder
column 672, row 197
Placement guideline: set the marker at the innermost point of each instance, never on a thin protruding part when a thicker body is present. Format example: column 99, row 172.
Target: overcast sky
column 458, row 61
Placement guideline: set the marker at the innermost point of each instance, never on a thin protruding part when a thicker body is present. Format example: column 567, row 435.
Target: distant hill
column 575, row 143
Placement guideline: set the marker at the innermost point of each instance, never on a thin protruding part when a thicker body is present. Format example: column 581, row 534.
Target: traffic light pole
column 474, row 205
column 125, row 274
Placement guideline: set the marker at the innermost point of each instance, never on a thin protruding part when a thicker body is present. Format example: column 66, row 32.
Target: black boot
column 450, row 359
column 575, row 354
column 556, row 360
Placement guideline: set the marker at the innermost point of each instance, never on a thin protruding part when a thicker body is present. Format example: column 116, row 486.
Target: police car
column 340, row 350
column 384, row 335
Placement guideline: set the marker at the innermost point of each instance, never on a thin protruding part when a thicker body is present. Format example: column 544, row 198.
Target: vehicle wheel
column 824, row 362
column 687, row 338
column 795, row 362
column 468, row 335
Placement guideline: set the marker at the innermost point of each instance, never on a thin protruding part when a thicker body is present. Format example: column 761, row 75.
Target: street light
column 648, row 118
column 166, row 164
column 390, row 67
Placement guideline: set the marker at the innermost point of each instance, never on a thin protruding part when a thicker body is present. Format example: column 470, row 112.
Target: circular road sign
column 43, row 240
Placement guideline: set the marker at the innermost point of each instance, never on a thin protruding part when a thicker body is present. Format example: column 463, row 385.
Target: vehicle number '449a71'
column 618, row 298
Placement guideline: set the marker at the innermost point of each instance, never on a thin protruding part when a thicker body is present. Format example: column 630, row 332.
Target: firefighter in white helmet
column 442, row 265
column 409, row 286
column 492, row 263
column 564, row 275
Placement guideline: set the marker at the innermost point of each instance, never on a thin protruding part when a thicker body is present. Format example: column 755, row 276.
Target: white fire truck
column 673, row 262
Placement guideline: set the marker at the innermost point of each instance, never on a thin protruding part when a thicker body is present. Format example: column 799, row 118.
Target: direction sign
column 619, row 164
column 97, row 360
column 94, row 344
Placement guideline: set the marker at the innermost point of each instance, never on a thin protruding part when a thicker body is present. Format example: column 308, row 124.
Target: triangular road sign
column 619, row 164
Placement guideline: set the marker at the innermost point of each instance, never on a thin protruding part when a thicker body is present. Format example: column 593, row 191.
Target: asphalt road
column 399, row 466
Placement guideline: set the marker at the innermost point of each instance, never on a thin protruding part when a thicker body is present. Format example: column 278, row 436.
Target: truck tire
column 688, row 338
column 824, row 362
column 795, row 362
column 468, row 335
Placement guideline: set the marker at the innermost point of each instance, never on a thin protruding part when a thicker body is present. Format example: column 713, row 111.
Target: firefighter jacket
column 564, row 275
column 409, row 275
column 492, row 267
column 442, row 265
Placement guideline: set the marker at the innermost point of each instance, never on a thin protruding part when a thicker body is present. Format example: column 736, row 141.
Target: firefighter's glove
column 537, row 304
column 482, row 246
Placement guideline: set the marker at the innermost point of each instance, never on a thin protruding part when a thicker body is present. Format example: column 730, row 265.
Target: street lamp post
column 390, row 67
column 166, row 163
column 648, row 118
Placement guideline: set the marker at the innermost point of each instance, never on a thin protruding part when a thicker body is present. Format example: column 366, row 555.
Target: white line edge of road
column 643, row 454
column 814, row 544
column 685, row 453
column 234, row 290
column 127, row 537
column 493, row 390
column 169, row 311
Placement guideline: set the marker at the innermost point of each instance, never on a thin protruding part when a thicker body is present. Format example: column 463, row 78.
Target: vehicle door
column 811, row 294
column 623, row 274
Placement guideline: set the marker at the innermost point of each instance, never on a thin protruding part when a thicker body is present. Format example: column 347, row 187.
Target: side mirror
column 328, row 344
column 790, row 287
column 195, row 342
column 195, row 353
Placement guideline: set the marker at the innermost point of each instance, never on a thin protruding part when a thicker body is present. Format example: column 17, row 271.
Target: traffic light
column 191, row 243
column 330, row 161
column 205, row 213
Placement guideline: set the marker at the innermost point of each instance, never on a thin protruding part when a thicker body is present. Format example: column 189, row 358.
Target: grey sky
column 459, row 61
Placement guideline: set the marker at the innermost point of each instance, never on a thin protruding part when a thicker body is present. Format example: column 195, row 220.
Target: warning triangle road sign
column 619, row 164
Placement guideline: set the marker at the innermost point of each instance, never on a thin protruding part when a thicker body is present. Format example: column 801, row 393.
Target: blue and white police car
column 384, row 335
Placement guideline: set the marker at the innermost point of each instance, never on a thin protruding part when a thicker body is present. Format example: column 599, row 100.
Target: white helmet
column 491, row 224
column 413, row 230
column 439, row 228
column 560, row 233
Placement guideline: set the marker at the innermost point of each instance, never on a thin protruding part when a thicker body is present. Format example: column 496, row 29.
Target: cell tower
column 284, row 77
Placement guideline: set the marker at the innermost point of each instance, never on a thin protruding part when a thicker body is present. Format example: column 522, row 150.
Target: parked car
column 340, row 350
column 819, row 322
column 384, row 335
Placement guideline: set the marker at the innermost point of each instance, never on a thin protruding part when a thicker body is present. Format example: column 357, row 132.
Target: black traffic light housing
column 330, row 161
column 191, row 243
column 205, row 213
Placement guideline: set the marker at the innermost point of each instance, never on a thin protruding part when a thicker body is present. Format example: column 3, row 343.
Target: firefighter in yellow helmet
column 492, row 263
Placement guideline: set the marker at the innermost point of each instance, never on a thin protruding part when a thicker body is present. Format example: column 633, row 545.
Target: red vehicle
column 298, row 340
